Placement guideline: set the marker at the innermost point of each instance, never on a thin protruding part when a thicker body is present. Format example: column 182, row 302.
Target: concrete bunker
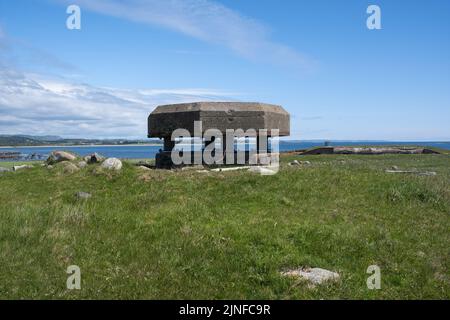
column 246, row 116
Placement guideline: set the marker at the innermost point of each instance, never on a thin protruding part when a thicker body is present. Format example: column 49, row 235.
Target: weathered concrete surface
column 247, row 116
column 218, row 115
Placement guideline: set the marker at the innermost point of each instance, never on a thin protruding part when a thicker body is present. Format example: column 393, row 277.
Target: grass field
column 227, row 235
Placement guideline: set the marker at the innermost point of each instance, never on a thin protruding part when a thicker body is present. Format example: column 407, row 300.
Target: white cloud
column 204, row 20
column 37, row 104
column 34, row 104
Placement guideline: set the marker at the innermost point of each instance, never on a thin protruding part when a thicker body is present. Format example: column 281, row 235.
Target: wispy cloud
column 36, row 103
column 205, row 20
column 33, row 104
column 19, row 53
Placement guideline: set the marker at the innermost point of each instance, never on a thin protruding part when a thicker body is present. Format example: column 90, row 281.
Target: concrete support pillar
column 262, row 144
column 168, row 144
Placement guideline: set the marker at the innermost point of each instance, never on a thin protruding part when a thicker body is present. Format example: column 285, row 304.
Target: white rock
column 2, row 169
column 83, row 195
column 314, row 276
column 69, row 167
column 294, row 163
column 82, row 164
column 25, row 166
column 112, row 164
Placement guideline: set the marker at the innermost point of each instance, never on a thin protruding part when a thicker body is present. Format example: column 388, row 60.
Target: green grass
column 10, row 164
column 227, row 235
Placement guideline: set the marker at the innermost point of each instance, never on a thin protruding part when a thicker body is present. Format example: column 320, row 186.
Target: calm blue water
column 139, row 152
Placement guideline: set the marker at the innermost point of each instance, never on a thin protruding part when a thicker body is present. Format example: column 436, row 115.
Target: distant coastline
column 29, row 141
column 83, row 145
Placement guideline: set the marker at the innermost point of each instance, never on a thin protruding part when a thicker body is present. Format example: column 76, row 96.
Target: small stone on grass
column 314, row 276
column 83, row 195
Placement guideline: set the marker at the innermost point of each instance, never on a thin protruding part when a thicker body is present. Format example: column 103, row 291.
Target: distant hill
column 18, row 141
column 41, row 138
column 28, row 140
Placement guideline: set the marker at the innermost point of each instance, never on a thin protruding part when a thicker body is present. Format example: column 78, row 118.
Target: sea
column 149, row 151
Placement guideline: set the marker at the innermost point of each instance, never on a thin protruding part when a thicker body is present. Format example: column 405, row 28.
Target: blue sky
column 338, row 79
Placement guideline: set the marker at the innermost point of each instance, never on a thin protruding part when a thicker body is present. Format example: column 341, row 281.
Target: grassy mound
column 158, row 234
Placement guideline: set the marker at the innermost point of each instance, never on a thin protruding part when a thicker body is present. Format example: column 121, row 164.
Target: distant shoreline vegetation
column 50, row 141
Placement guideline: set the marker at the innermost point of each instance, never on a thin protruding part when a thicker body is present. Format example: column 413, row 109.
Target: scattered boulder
column 144, row 168
column 112, row 164
column 394, row 168
column 82, row 164
column 69, row 167
column 83, row 195
column 49, row 167
column 59, row 156
column 94, row 158
column 314, row 276
column 25, row 166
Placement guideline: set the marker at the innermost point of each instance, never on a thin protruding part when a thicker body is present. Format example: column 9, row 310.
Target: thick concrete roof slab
column 218, row 115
